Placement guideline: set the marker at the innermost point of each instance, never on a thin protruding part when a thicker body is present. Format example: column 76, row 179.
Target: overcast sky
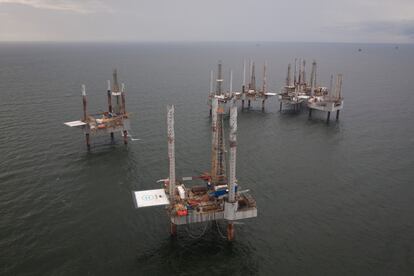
column 389, row 21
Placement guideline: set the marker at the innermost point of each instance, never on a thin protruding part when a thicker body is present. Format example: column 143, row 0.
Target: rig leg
column 88, row 144
column 242, row 104
column 210, row 112
column 280, row 107
column 337, row 115
column 329, row 116
column 230, row 231
column 248, row 104
column 263, row 105
column 125, row 137
column 310, row 113
column 112, row 138
column 173, row 229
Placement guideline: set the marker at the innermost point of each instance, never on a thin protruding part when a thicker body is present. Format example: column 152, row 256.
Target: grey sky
column 208, row 20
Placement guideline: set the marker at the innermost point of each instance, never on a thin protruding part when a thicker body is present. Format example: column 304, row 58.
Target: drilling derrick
column 304, row 75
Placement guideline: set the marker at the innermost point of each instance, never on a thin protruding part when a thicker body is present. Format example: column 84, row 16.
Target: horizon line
column 198, row 41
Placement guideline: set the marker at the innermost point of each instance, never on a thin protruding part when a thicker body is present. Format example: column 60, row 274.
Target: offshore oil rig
column 252, row 92
column 220, row 198
column 299, row 91
column 116, row 119
column 327, row 100
column 248, row 92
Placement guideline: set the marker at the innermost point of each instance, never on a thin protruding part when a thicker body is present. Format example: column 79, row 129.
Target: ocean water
column 333, row 199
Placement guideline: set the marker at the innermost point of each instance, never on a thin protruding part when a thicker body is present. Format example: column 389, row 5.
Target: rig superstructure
column 115, row 120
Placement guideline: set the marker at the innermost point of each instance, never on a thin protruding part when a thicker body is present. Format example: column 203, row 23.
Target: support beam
column 211, row 88
column 109, row 97
column 280, row 107
column 248, row 104
column 88, row 144
column 310, row 113
column 313, row 79
column 243, row 95
column 253, row 79
column 115, row 89
column 214, row 139
column 171, row 153
column 123, row 109
column 264, row 88
column 230, row 231
column 232, row 156
column 288, row 77
column 125, row 133
column 328, row 117
column 337, row 115
column 263, row 105
column 211, row 82
column 219, row 79
column 112, row 138
column 244, row 74
column 173, row 229
column 84, row 101
column 294, row 74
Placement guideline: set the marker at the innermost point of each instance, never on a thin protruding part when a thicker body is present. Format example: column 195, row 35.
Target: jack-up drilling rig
column 250, row 92
column 219, row 198
column 116, row 119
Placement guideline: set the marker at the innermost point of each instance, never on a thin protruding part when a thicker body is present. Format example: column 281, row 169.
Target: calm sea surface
column 333, row 199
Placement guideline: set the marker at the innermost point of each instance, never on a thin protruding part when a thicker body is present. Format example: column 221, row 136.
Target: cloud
column 401, row 28
column 86, row 6
column 375, row 31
